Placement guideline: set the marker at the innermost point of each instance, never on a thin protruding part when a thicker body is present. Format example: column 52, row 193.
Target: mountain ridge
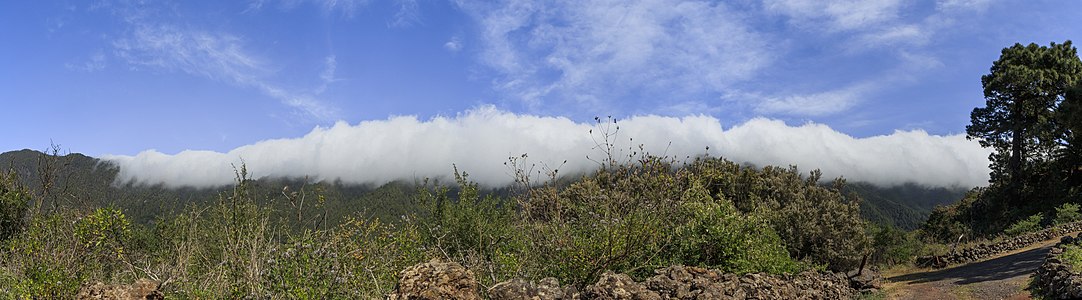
column 92, row 181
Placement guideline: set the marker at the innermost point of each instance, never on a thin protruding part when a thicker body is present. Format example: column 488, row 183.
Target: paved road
column 1005, row 277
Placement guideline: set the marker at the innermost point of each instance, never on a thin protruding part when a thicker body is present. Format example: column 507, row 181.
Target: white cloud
column 408, row 14
column 816, row 104
column 479, row 142
column 95, row 63
column 873, row 24
column 593, row 53
column 344, row 7
column 218, row 56
column 972, row 5
column 837, row 15
column 330, row 65
column 453, row 45
column 912, row 34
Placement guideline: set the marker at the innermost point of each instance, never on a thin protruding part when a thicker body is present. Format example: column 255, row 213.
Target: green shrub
column 718, row 236
column 46, row 260
column 1067, row 213
column 14, row 203
column 817, row 223
column 1030, row 224
column 621, row 218
column 309, row 267
column 1072, row 255
column 104, row 232
column 376, row 251
column 892, row 246
column 480, row 232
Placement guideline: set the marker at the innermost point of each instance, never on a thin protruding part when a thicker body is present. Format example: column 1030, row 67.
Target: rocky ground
column 445, row 280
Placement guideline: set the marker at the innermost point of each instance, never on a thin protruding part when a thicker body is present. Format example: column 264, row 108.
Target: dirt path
column 1002, row 277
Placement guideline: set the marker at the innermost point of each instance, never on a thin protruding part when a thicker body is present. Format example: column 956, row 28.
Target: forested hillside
column 83, row 181
column 86, row 182
column 903, row 206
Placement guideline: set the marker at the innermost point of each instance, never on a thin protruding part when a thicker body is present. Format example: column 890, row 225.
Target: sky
column 337, row 89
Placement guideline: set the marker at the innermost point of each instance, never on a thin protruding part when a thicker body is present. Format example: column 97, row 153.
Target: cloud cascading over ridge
column 479, row 141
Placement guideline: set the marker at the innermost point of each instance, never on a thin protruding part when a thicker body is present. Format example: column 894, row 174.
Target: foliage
column 893, row 246
column 14, row 204
column 951, row 223
column 1072, row 255
column 1031, row 224
column 1030, row 121
column 1067, row 213
column 823, row 226
column 903, row 206
column 816, row 223
column 718, row 236
column 1018, row 121
column 475, row 230
column 104, row 232
column 47, row 261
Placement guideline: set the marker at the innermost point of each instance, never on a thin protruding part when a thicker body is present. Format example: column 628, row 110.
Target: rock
column 436, row 280
column 519, row 289
column 141, row 289
column 868, row 279
column 612, row 286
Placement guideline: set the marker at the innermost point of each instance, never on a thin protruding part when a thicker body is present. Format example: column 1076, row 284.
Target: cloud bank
column 479, row 141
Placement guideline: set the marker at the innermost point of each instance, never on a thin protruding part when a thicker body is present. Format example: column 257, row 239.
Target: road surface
column 1003, row 277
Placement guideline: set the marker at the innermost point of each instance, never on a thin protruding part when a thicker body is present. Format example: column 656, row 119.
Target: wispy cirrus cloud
column 592, row 53
column 96, row 62
column 669, row 54
column 216, row 56
column 814, row 104
column 968, row 5
column 837, row 15
column 890, row 30
column 884, row 23
column 344, row 7
column 408, row 14
column 839, row 99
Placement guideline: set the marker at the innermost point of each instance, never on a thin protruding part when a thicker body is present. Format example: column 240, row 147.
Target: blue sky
column 121, row 77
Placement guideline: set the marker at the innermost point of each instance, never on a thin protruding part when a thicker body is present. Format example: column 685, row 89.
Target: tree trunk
column 1014, row 164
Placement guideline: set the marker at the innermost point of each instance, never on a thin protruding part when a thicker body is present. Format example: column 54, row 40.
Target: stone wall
column 1056, row 278
column 676, row 282
column 982, row 251
column 141, row 289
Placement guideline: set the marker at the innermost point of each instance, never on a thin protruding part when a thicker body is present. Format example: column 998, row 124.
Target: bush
column 892, row 246
column 1067, row 213
column 620, row 219
column 1072, row 255
column 480, row 232
column 716, row 235
column 46, row 260
column 14, row 203
column 377, row 251
column 104, row 232
column 1031, row 224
